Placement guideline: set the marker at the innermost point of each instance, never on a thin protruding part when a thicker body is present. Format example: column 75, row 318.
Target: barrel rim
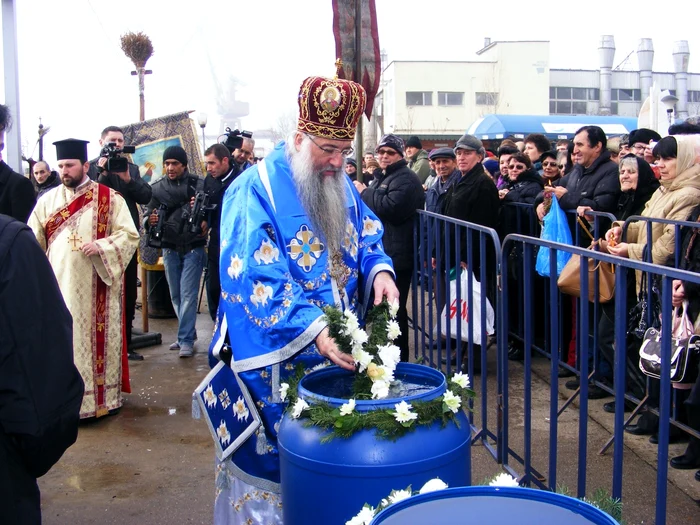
column 362, row 405
column 583, row 508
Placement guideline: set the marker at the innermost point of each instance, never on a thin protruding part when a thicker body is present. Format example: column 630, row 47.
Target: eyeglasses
column 389, row 152
column 547, row 164
column 332, row 151
column 517, row 167
column 562, row 166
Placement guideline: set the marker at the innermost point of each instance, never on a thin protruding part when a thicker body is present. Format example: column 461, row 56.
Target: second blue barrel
column 330, row 482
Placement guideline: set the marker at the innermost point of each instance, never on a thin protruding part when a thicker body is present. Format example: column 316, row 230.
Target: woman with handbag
column 690, row 292
column 678, row 194
column 638, row 183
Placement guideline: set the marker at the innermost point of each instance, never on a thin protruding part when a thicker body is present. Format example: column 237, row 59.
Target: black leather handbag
column 685, row 354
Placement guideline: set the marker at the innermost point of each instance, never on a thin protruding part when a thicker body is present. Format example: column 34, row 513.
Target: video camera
column 234, row 139
column 115, row 162
column 155, row 234
column 200, row 207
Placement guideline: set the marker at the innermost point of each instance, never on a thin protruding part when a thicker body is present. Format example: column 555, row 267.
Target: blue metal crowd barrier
column 531, row 475
column 446, row 246
column 445, row 243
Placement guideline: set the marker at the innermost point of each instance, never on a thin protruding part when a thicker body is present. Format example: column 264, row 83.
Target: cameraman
column 242, row 155
column 183, row 251
column 220, row 175
column 135, row 191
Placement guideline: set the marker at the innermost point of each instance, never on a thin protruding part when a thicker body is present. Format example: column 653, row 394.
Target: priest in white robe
column 89, row 237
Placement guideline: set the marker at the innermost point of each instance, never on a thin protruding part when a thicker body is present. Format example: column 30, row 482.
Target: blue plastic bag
column 556, row 228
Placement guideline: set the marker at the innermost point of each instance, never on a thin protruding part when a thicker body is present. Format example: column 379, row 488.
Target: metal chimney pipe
column 681, row 55
column 645, row 58
column 606, row 54
column 487, row 42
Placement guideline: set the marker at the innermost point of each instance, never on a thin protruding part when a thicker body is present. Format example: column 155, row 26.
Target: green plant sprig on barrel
column 375, row 359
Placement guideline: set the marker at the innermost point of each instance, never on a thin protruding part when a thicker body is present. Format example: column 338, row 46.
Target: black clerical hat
column 71, row 149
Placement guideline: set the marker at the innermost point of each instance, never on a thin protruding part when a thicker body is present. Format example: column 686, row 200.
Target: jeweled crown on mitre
column 330, row 107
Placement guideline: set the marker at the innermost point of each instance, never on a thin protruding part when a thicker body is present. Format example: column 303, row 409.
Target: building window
column 613, row 108
column 486, row 99
column 693, row 96
column 571, row 100
column 450, row 98
column 419, row 98
column 626, row 95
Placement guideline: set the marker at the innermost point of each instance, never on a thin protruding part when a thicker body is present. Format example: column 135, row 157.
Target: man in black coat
column 593, row 182
column 395, row 197
column 40, row 387
column 17, row 198
column 44, row 178
column 220, row 175
column 135, row 191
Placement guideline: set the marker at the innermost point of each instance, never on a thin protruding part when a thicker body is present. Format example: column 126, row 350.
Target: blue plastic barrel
column 492, row 505
column 328, row 483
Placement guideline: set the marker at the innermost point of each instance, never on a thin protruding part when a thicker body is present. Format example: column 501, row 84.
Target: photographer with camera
column 242, row 146
column 116, row 172
column 184, row 235
column 220, row 175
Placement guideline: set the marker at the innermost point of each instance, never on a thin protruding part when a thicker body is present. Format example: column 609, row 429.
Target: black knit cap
column 175, row 153
column 393, row 142
column 414, row 142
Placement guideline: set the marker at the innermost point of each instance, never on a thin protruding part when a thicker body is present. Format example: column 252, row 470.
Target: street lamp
column 202, row 120
column 669, row 101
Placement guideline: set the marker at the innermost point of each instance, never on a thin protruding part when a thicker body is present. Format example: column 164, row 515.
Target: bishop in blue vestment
column 295, row 237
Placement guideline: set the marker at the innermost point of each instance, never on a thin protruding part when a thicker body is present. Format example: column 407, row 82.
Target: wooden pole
column 358, row 79
column 141, row 71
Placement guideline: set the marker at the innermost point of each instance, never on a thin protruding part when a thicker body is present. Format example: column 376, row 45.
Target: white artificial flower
column 283, row 391
column 299, row 407
column 365, row 516
column 394, row 308
column 380, row 389
column 393, row 330
column 362, row 358
column 403, row 412
column 504, row 480
column 461, row 379
column 451, row 401
column 351, row 322
column 390, row 355
column 359, row 337
column 433, row 485
column 347, row 408
column 399, row 495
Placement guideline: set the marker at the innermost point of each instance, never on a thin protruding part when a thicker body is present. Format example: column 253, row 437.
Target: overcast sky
column 74, row 75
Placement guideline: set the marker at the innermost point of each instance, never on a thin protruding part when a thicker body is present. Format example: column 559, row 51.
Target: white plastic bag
column 463, row 310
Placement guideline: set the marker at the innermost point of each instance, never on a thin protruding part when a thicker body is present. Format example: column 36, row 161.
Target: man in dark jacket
column 135, row 191
column 45, row 179
column 220, row 175
column 40, row 387
column 593, row 182
column 17, row 197
column 474, row 198
column 396, row 196
column 183, row 250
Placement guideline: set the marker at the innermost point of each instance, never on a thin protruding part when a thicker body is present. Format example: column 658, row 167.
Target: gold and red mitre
column 330, row 107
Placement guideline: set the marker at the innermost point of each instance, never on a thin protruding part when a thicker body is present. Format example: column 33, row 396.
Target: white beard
column 322, row 197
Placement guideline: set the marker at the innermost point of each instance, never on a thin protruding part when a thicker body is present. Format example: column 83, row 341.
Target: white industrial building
column 438, row 101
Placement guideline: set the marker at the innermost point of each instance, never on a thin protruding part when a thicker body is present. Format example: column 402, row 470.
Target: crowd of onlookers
column 640, row 173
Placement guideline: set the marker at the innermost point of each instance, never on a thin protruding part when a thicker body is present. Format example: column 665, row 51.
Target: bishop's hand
column 329, row 349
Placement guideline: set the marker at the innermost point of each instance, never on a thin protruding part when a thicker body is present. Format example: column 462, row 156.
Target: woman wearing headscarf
column 675, row 199
column 638, row 184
